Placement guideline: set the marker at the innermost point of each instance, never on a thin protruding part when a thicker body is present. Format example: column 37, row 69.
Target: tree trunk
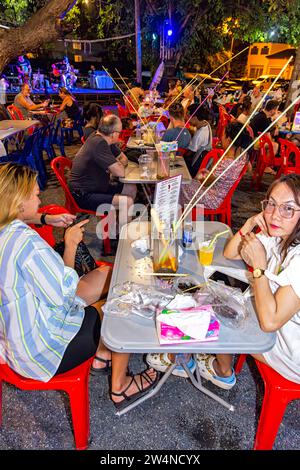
column 44, row 26
column 294, row 88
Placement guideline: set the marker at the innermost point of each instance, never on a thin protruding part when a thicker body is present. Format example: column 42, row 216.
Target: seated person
column 275, row 286
column 94, row 167
column 188, row 98
column 49, row 320
column 177, row 127
column 217, row 193
column 244, row 110
column 25, row 103
column 261, row 121
column 136, row 94
column 92, row 113
column 146, row 108
column 255, row 96
column 201, row 141
column 69, row 103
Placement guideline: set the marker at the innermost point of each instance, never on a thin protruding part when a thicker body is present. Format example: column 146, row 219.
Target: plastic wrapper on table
column 228, row 303
column 131, row 298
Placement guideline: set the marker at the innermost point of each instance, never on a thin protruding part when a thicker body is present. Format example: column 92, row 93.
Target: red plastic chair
column 215, row 142
column 82, row 140
column 15, row 112
column 74, row 383
column 289, row 158
column 279, row 392
column 59, row 165
column 130, row 105
column 124, row 137
column 224, row 119
column 224, row 210
column 265, row 158
column 122, row 112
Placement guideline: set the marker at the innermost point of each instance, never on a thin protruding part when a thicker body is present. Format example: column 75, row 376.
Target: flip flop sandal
column 104, row 370
column 128, row 399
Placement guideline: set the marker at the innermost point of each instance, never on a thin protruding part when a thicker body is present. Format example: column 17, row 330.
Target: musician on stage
column 24, row 69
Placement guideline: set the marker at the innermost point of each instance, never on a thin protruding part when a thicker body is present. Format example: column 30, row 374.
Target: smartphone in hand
column 80, row 218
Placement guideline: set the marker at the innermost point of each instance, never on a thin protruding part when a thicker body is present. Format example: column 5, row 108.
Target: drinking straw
column 124, row 96
column 238, row 158
column 217, row 236
column 202, row 102
column 166, row 274
column 199, row 84
column 191, row 202
column 195, row 287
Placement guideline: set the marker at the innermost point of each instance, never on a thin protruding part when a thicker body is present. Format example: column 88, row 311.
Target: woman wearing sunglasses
column 274, row 255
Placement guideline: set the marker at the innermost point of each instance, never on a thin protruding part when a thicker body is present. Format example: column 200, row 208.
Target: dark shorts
column 91, row 201
column 84, row 344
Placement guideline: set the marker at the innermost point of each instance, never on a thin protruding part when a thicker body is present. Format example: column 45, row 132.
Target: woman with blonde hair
column 48, row 320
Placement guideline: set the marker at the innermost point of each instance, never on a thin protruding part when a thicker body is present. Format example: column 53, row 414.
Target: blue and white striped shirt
column 39, row 310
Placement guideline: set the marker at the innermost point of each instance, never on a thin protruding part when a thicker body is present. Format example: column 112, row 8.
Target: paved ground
column 178, row 418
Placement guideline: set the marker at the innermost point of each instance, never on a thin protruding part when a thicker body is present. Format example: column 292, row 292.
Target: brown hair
column 176, row 110
column 293, row 182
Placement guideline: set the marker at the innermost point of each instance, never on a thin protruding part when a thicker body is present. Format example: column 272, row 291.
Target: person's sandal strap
column 123, row 393
column 107, row 362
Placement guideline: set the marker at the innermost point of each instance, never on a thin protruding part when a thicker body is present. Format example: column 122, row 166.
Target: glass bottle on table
column 165, row 252
column 163, row 165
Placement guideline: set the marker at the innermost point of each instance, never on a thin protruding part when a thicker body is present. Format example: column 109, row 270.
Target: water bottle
column 187, row 236
column 138, row 131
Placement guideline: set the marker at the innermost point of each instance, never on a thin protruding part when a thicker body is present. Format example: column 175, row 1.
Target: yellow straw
column 241, row 155
column 217, row 236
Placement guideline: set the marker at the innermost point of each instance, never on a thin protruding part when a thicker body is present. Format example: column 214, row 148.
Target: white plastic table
column 135, row 334
column 8, row 128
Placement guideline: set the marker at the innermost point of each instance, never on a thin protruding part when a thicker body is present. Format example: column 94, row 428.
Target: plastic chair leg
column 79, row 403
column 272, row 412
column 239, row 363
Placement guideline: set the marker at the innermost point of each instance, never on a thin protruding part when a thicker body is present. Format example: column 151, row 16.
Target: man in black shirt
column 263, row 119
column 94, row 166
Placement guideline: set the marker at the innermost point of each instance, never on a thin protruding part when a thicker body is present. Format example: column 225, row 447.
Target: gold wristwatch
column 257, row 272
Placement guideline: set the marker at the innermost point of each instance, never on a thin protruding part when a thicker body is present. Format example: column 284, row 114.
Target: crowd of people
column 61, row 318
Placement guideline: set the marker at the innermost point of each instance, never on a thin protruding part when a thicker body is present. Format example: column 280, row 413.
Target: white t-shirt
column 201, row 140
column 284, row 357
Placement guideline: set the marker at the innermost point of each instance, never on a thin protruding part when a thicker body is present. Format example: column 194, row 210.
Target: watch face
column 257, row 272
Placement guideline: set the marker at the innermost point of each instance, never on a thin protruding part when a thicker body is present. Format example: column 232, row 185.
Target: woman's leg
column 223, row 365
column 120, row 380
column 94, row 284
column 260, row 358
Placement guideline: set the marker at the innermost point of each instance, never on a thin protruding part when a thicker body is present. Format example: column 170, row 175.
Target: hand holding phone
column 80, row 218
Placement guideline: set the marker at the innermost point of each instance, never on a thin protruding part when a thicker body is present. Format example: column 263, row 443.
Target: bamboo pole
column 231, row 144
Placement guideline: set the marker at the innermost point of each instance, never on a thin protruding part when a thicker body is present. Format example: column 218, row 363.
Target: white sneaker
column 161, row 361
column 206, row 370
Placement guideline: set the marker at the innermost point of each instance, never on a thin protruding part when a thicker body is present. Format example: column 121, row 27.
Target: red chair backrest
column 46, row 231
column 215, row 142
column 214, row 155
column 266, row 150
column 59, row 165
column 82, row 139
column 287, row 151
column 15, row 112
column 181, row 151
column 123, row 113
column 130, row 104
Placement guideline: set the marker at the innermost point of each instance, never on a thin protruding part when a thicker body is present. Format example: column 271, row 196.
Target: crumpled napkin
column 182, row 301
